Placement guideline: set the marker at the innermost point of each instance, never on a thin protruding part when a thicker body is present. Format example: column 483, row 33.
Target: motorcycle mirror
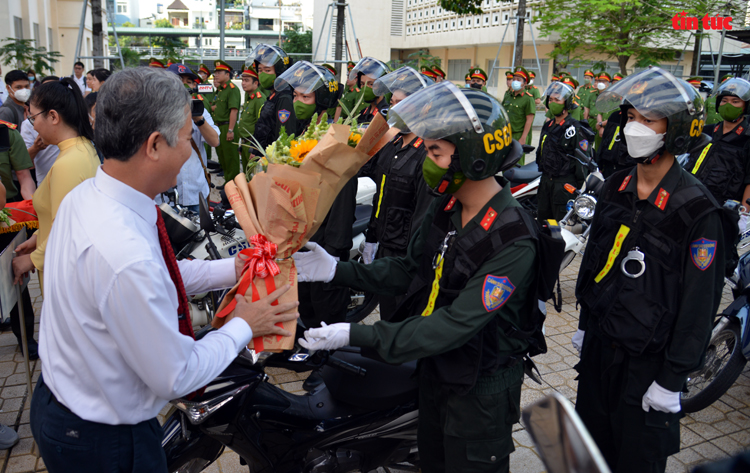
column 593, row 183
column 205, row 215
column 561, row 438
column 528, row 148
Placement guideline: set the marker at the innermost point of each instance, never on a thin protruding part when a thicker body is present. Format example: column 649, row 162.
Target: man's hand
column 230, row 136
column 213, row 108
column 577, row 340
column 314, row 265
column 27, row 247
column 239, row 263
column 522, row 139
column 21, row 267
column 661, row 399
column 262, row 317
column 327, row 337
column 368, row 255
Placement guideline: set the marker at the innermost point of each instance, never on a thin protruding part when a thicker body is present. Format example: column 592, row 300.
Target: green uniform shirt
column 534, row 91
column 15, row 159
column 712, row 116
column 506, row 98
column 452, row 326
column 583, row 93
column 227, row 98
column 249, row 114
column 519, row 107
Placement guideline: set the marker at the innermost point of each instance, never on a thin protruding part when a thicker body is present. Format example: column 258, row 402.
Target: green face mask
column 369, row 94
column 556, row 108
column 433, row 174
column 729, row 112
column 303, row 111
column 266, row 80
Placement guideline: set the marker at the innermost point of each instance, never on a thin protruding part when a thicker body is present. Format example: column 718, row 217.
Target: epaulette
column 258, row 95
column 199, row 97
column 231, row 85
column 529, row 94
column 12, row 126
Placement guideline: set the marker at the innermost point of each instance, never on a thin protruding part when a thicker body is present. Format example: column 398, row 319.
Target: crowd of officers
column 454, row 259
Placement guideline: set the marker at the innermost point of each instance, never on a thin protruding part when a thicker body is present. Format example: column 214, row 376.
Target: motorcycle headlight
column 197, row 412
column 584, row 206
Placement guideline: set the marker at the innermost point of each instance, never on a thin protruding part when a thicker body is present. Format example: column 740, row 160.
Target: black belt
column 221, row 123
column 59, row 404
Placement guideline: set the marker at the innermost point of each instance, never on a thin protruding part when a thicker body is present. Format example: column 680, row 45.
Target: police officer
column 589, row 110
column 617, row 77
column 335, row 111
column 428, row 72
column 153, row 62
column 315, row 89
column 467, row 80
column 576, row 111
column 478, row 79
column 604, row 80
column 366, row 72
column 402, row 197
column 555, row 155
column 651, row 278
column 470, row 382
column 723, row 165
column 612, row 155
column 585, row 89
column 270, row 62
column 225, row 111
column 509, row 91
column 439, row 73
column 521, row 108
column 254, row 100
column 712, row 115
column 534, row 89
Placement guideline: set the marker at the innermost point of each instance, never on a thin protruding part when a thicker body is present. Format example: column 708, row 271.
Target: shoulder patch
column 489, row 218
column 496, row 291
column 740, row 130
column 10, row 125
column 662, row 199
column 584, row 144
column 625, row 183
column 451, row 203
column 284, row 115
column 702, row 253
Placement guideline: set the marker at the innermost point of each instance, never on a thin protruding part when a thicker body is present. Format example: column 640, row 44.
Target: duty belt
column 221, row 123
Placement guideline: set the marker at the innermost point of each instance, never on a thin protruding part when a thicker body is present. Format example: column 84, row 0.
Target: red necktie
column 183, row 310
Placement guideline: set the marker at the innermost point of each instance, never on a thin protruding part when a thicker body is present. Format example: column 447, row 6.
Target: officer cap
column 532, row 75
column 695, row 81
column 725, row 77
column 439, row 72
column 509, row 74
column 605, row 76
column 331, row 68
column 171, row 60
column 478, row 73
column 350, row 65
column 249, row 71
column 521, row 71
column 588, row 73
column 204, row 69
column 428, row 71
column 568, row 80
column 618, row 76
column 220, row 65
column 153, row 62
column 467, row 77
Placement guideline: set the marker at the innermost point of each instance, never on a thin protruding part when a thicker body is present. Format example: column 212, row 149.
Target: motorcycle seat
column 523, row 174
column 362, row 215
column 383, row 387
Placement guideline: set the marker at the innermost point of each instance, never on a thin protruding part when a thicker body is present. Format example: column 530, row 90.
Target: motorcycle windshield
column 406, row 79
column 304, row 77
column 655, row 93
column 266, row 55
column 735, row 86
column 369, row 66
column 443, row 110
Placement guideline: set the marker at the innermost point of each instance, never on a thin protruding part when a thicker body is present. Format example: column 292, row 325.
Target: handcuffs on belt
column 634, row 255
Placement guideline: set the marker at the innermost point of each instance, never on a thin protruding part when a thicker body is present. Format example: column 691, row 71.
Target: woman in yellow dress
column 58, row 113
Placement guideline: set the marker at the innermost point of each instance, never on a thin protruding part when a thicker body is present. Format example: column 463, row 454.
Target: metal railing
column 191, row 53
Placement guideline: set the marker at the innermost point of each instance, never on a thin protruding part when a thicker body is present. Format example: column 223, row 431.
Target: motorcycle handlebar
column 346, row 367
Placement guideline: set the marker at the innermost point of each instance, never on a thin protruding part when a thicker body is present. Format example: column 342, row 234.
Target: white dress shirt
column 45, row 158
column 81, row 82
column 109, row 340
column 191, row 180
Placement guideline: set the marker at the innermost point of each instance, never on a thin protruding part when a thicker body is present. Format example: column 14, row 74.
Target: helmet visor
column 369, row 67
column 559, row 91
column 436, row 112
column 265, row 54
column 304, row 77
column 406, row 79
column 736, row 87
column 655, row 93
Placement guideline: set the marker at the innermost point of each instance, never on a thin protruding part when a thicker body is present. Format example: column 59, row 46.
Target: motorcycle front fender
column 572, row 243
column 184, row 443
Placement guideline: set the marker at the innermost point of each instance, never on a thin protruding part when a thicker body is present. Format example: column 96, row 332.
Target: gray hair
column 133, row 104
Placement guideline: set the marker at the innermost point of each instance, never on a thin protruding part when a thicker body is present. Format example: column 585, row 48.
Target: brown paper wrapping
column 287, row 205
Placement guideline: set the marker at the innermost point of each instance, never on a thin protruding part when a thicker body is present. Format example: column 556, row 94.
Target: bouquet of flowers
column 283, row 205
column 18, row 215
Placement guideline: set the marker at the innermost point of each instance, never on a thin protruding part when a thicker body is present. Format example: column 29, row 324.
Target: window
column 453, row 24
column 460, row 23
column 420, row 29
column 445, row 25
column 408, row 17
column 505, row 18
column 541, row 76
column 438, row 26
column 457, row 69
column 495, row 19
column 265, row 24
column 486, row 20
column 122, row 7
column 18, row 27
column 476, row 21
column 420, row 14
column 35, row 27
column 432, row 27
column 49, row 39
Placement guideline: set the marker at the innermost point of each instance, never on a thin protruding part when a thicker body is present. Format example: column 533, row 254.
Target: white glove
column 368, row 255
column 661, row 399
column 327, row 337
column 578, row 340
column 314, row 265
column 743, row 223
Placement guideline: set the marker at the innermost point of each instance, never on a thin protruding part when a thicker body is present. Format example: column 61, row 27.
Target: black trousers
column 68, row 443
column 388, row 304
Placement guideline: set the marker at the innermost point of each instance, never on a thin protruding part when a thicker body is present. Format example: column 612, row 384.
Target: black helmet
column 474, row 121
column 733, row 87
column 307, row 78
column 269, row 56
column 368, row 66
column 562, row 91
column 657, row 94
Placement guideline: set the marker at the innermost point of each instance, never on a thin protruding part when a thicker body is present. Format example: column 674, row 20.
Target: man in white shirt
column 112, row 353
column 79, row 77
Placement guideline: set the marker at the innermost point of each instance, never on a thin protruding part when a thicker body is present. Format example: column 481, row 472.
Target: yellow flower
column 354, row 139
column 300, row 149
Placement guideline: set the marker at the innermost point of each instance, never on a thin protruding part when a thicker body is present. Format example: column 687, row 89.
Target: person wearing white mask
column 18, row 87
column 651, row 279
column 521, row 108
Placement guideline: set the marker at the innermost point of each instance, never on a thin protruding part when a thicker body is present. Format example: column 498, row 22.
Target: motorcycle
column 524, row 183
column 362, row 417
column 728, row 349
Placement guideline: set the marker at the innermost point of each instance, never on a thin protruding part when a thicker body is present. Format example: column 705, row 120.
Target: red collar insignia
column 451, row 203
column 488, row 218
column 740, row 130
column 625, row 183
column 662, row 198
column 418, row 143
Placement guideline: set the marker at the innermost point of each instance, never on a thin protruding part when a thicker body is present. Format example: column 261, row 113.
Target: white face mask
column 642, row 141
column 601, row 86
column 516, row 85
column 531, row 82
column 22, row 95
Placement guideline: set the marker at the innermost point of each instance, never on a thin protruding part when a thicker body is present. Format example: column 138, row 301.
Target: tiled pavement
column 720, row 430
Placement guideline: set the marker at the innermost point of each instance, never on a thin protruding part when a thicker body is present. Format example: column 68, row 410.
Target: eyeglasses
column 32, row 119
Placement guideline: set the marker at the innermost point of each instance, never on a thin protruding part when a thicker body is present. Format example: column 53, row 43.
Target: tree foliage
column 621, row 29
column 462, row 7
column 22, row 54
column 416, row 60
column 297, row 41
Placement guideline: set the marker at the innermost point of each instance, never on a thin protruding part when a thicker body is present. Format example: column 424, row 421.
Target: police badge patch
column 496, row 292
column 284, row 115
column 702, row 252
column 584, row 144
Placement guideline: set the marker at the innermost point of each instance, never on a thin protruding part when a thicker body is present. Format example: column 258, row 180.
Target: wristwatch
column 201, row 122
column 230, row 130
